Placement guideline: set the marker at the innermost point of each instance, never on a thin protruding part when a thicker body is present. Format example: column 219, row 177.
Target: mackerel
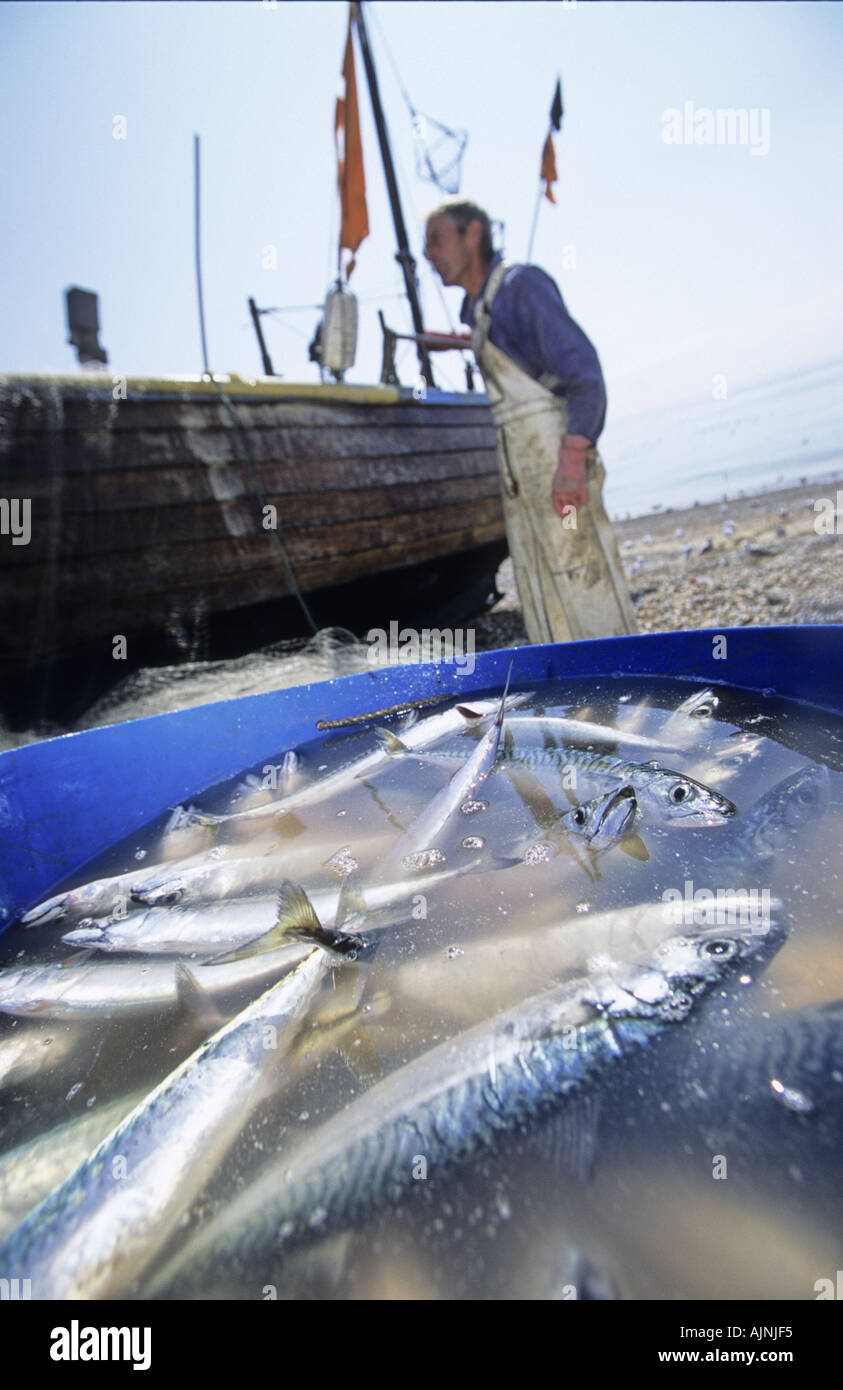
column 96, row 1232
column 425, row 732
column 455, row 1100
column 663, row 794
column 213, row 928
column 31, row 1170
column 99, row 988
column 445, row 804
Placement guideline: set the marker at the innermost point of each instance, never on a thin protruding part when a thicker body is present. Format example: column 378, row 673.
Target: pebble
column 730, row 589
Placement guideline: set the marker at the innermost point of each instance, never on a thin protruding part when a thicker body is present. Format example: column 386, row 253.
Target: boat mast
column 404, row 255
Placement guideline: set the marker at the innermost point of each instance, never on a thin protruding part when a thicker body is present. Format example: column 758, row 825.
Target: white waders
column 570, row 578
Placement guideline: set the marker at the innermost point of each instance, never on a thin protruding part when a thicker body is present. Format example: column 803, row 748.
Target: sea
column 703, row 449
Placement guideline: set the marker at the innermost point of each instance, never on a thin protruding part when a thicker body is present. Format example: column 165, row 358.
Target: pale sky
column 690, row 260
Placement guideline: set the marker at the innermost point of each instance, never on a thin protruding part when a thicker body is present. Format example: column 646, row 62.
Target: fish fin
column 389, row 742
column 287, row 824
column 295, row 918
column 634, row 846
column 197, row 1000
column 78, row 958
column 197, row 818
column 569, row 1140
column 468, row 713
column 350, row 903
column 533, row 795
column 506, row 861
column 499, row 715
column 359, row 1055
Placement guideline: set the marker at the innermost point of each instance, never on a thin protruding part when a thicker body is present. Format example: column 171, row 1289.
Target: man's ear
column 473, row 234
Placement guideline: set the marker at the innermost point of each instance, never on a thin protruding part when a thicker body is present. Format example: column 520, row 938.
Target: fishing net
column 438, row 152
column 158, row 690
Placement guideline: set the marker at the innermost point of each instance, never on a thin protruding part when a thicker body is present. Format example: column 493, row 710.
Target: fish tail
column 295, row 917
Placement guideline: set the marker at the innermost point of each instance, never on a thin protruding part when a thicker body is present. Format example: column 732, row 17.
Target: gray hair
column 461, row 212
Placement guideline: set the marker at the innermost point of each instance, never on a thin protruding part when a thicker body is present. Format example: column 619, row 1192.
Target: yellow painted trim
column 260, row 388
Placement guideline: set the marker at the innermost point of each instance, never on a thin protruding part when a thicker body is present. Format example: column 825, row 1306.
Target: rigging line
column 239, row 433
column 410, row 107
column 413, row 113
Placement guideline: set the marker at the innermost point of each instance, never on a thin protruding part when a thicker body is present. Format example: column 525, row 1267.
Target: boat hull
column 158, row 503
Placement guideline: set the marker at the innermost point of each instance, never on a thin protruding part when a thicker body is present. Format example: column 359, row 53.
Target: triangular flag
column 354, row 226
column 548, row 169
column 556, row 110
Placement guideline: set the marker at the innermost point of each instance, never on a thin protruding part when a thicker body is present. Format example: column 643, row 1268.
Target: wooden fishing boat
column 155, row 510
column 218, row 513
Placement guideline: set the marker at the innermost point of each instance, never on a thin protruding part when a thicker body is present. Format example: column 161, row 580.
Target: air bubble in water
column 473, row 842
column 74, row 1091
column 538, row 853
column 424, row 859
column 584, row 907
column 470, row 808
column 140, row 853
column 343, row 862
column 453, row 951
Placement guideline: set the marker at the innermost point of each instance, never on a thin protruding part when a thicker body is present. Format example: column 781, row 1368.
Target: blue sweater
column 532, row 326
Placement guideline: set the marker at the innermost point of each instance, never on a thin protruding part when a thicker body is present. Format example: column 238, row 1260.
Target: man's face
column 448, row 250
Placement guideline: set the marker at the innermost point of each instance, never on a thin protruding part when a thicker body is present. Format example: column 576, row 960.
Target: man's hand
column 568, row 489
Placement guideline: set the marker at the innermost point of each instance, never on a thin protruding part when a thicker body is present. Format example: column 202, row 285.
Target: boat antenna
column 198, row 249
column 404, row 256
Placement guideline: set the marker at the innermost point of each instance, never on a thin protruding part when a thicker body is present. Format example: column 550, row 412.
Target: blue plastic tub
column 64, row 801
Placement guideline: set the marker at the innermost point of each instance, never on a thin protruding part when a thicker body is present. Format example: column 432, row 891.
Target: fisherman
column 545, row 387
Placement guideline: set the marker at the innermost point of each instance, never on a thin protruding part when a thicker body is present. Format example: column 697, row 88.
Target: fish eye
column 580, row 817
column 679, row 792
column 718, row 950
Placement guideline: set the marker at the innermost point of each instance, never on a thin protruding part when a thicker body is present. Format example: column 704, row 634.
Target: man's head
column 458, row 243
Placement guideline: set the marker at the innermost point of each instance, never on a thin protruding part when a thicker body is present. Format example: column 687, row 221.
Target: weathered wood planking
column 63, row 621
column 306, row 534
column 148, row 506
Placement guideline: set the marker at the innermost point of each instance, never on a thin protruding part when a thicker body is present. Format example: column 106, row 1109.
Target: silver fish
column 445, row 805
column 236, row 877
column 105, row 987
column 28, row 1052
column 471, row 980
column 31, row 1170
column 772, row 824
column 453, row 1101
column 604, row 821
column 97, row 1232
column 663, row 795
column 213, row 928
column 425, row 732
column 581, row 731
column 99, row 897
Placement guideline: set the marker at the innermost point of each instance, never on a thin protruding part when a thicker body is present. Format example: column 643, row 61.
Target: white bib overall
column 570, row 580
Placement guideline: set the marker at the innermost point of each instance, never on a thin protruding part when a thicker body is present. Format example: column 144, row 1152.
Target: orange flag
column 352, row 179
column 548, row 169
